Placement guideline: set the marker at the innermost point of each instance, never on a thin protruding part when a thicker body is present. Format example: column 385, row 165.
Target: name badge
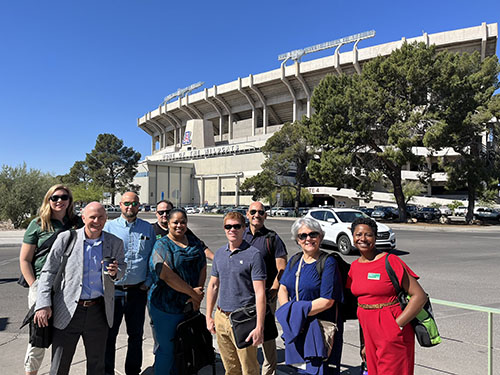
column 373, row 276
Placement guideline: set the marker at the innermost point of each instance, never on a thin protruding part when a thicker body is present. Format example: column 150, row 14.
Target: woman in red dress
column 389, row 336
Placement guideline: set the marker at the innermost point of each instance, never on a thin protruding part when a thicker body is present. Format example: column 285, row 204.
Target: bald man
column 82, row 304
column 138, row 238
column 274, row 253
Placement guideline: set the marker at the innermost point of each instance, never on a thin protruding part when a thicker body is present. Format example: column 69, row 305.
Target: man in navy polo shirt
column 274, row 253
column 238, row 278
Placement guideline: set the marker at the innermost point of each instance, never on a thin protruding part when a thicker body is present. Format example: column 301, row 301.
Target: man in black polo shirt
column 273, row 250
column 163, row 208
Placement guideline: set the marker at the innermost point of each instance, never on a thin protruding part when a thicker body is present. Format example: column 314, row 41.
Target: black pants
column 133, row 307
column 90, row 323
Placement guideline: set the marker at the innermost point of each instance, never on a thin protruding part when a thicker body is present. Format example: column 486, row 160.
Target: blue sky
column 72, row 70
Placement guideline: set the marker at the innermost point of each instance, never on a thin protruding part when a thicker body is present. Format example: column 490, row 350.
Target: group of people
column 164, row 266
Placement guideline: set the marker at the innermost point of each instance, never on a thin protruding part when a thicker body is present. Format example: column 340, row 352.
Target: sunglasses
column 133, row 204
column 163, row 212
column 261, row 212
column 303, row 236
column 63, row 197
column 231, row 226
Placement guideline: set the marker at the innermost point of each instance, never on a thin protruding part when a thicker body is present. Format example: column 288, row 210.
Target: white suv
column 336, row 223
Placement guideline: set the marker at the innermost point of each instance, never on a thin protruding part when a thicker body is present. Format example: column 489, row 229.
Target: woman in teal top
column 179, row 268
column 56, row 213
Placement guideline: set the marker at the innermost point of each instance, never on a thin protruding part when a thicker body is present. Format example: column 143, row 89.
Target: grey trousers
column 89, row 323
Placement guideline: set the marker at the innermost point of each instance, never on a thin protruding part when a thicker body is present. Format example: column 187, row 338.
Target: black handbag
column 39, row 337
column 193, row 348
column 244, row 320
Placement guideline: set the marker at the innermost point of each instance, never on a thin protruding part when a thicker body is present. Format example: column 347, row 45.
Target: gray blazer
column 68, row 289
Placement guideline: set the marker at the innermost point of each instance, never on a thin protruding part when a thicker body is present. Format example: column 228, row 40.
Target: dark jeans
column 133, row 306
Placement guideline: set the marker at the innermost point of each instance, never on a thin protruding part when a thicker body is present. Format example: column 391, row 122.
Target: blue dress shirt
column 92, row 268
column 138, row 240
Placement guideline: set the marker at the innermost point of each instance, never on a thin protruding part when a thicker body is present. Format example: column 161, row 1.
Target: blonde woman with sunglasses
column 56, row 214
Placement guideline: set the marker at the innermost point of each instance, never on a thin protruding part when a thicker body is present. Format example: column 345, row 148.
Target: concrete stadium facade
column 206, row 143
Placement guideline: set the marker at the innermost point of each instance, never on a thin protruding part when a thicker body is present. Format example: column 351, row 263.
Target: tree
column 288, row 196
column 464, row 92
column 112, row 165
column 79, row 173
column 366, row 125
column 85, row 193
column 287, row 156
column 262, row 185
column 411, row 189
column 22, row 192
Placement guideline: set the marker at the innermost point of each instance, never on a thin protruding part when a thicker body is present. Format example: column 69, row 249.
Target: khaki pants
column 236, row 361
column 269, row 349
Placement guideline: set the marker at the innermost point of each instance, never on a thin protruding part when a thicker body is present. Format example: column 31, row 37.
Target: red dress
column 389, row 350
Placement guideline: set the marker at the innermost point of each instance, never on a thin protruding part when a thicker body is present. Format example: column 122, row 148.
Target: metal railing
column 489, row 310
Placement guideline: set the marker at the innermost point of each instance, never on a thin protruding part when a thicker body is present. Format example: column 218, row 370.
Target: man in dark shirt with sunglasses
column 274, row 252
column 163, row 208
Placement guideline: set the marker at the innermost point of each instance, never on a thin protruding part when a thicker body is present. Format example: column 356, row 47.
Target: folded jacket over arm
column 302, row 335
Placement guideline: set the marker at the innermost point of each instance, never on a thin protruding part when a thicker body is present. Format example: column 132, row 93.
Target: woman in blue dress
column 178, row 268
column 323, row 291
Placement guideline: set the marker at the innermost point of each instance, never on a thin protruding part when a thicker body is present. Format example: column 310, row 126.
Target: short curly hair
column 364, row 221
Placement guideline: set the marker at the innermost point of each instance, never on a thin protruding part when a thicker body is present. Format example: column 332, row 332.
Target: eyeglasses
column 63, row 197
column 231, row 226
column 261, row 212
column 133, row 204
column 163, row 212
column 303, row 236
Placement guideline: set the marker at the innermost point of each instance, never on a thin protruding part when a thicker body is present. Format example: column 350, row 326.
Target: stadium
column 204, row 144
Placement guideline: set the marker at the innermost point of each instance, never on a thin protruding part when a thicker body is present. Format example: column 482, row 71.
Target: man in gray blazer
column 83, row 301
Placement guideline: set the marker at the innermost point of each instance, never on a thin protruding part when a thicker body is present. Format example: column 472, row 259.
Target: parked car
column 284, row 211
column 336, row 223
column 460, row 211
column 427, row 214
column 445, row 211
column 411, row 210
column 112, row 211
column 486, row 213
column 367, row 211
column 303, row 211
column 385, row 213
column 191, row 210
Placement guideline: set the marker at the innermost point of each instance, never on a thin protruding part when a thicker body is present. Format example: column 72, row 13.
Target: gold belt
column 377, row 305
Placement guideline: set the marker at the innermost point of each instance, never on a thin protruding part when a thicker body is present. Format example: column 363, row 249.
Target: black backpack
column 350, row 306
column 193, row 347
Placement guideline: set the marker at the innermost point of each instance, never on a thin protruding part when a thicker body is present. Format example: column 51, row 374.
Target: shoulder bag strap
column 297, row 277
column 392, row 275
column 67, row 252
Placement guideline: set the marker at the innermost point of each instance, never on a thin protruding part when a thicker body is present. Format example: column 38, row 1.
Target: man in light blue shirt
column 138, row 238
column 92, row 255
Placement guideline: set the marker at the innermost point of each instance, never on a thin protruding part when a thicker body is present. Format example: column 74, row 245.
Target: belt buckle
column 86, row 303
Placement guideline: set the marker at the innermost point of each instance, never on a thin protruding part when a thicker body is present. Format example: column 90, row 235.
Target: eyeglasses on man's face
column 163, row 212
column 133, row 204
column 231, row 226
column 261, row 212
